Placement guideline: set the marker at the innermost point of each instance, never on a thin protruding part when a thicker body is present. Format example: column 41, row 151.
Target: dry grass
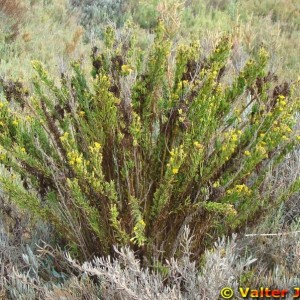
column 13, row 11
column 12, row 8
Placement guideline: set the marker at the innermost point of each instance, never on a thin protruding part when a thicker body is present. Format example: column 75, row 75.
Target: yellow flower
column 230, row 210
column 15, row 122
column 78, row 160
column 97, row 146
column 282, row 102
column 216, row 184
column 81, row 113
column 1, row 104
column 141, row 221
column 126, row 69
column 263, row 53
column 135, row 142
column 242, row 188
column 219, row 89
column 229, row 192
column 64, row 136
column 175, row 170
column 234, row 137
column 247, row 153
column 23, row 150
column 198, row 145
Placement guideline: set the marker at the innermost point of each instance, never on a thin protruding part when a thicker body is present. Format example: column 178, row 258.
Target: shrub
column 151, row 142
column 95, row 15
column 123, row 277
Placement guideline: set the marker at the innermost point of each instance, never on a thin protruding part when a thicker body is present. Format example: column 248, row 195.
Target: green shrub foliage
column 148, row 143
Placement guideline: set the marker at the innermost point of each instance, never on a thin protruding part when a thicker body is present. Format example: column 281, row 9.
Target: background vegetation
column 156, row 127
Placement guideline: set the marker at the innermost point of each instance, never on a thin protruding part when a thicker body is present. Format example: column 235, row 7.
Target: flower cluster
column 64, row 137
column 247, row 153
column 95, row 148
column 126, row 70
column 198, row 146
column 261, row 150
column 139, row 229
column 221, row 208
column 74, row 158
column 239, row 189
column 81, row 113
column 177, row 156
column 136, row 128
column 231, row 141
column 281, row 103
column 15, row 122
